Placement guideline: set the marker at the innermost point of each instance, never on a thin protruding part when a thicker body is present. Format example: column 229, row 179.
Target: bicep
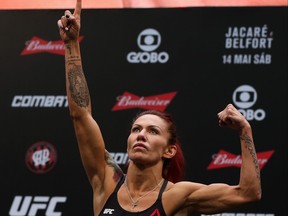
column 199, row 198
column 214, row 198
column 102, row 171
column 91, row 146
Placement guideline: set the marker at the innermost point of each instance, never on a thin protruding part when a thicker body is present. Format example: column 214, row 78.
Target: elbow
column 255, row 196
column 258, row 193
column 77, row 114
column 252, row 191
column 258, row 196
column 73, row 115
column 78, row 117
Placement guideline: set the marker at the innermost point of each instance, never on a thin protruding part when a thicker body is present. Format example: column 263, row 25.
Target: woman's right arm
column 96, row 160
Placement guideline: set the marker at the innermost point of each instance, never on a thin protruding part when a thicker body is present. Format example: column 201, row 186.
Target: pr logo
column 41, row 157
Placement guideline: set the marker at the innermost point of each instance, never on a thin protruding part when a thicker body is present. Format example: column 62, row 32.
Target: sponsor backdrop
column 190, row 62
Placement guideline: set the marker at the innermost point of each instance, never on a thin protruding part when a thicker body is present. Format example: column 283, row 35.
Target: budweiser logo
column 130, row 101
column 38, row 45
column 225, row 159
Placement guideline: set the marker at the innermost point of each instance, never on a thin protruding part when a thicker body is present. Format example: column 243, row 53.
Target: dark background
column 194, row 39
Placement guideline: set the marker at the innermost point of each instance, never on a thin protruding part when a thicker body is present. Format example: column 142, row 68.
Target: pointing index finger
column 77, row 11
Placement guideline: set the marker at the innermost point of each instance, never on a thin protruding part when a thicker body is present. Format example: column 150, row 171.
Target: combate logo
column 41, row 157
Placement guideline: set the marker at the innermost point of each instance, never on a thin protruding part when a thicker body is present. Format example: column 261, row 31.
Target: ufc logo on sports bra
column 108, row 211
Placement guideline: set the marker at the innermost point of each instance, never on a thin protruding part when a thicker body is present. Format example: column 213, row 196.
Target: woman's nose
column 141, row 135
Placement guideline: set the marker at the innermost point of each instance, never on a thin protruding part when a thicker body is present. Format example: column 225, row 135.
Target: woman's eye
column 135, row 129
column 152, row 131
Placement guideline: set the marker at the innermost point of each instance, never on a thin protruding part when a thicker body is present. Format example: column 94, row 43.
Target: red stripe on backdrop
column 64, row 4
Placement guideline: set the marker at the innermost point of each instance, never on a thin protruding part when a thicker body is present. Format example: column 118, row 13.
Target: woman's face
column 148, row 139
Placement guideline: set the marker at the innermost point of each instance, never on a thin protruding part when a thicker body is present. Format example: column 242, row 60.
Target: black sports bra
column 112, row 206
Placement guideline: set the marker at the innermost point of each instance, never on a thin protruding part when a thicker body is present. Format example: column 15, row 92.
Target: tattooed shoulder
column 118, row 173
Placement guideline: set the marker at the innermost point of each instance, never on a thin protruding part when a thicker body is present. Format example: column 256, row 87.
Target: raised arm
column 94, row 157
column 221, row 197
column 250, row 183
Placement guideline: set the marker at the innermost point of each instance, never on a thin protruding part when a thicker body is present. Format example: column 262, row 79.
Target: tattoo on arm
column 77, row 84
column 118, row 173
column 250, row 146
column 69, row 48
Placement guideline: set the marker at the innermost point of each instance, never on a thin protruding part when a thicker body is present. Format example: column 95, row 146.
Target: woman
column 148, row 188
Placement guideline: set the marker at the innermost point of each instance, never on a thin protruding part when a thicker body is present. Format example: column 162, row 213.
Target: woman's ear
column 170, row 151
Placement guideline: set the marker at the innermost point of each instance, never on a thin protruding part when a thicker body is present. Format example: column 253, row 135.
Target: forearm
column 250, row 180
column 89, row 138
column 76, row 85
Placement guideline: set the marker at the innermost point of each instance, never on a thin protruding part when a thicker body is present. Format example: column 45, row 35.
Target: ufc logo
column 108, row 211
column 30, row 208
